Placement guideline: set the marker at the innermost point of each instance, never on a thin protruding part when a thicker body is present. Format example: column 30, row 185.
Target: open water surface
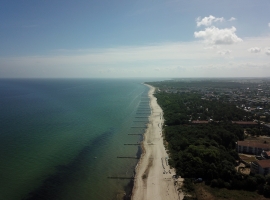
column 60, row 138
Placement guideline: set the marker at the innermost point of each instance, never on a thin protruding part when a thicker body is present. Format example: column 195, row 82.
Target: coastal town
column 248, row 103
column 251, row 95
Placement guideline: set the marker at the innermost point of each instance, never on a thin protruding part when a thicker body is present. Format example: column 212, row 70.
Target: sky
column 134, row 38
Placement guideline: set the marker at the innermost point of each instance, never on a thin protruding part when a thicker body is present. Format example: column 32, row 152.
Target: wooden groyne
column 132, row 157
column 119, row 177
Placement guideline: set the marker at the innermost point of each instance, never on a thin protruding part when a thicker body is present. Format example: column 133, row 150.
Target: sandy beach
column 153, row 174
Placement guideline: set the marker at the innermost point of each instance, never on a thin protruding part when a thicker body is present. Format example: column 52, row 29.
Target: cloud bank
column 159, row 60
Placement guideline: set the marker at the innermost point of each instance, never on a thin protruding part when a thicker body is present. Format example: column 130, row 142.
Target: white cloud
column 269, row 24
column 212, row 47
column 224, row 52
column 254, row 50
column 207, row 21
column 216, row 36
column 181, row 68
column 232, row 19
column 253, row 65
column 267, row 51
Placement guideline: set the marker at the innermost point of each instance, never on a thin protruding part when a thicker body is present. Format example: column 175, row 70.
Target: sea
column 70, row 139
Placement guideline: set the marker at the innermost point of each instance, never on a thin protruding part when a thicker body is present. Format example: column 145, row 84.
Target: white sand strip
column 153, row 174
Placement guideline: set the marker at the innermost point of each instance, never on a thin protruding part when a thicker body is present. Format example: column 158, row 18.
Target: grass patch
column 247, row 158
column 204, row 192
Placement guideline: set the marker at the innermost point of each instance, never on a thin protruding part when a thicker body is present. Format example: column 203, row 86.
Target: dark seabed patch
column 53, row 186
column 128, row 188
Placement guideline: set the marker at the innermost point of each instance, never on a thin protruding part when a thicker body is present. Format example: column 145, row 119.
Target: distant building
column 199, row 122
column 266, row 128
column 260, row 167
column 251, row 147
column 246, row 124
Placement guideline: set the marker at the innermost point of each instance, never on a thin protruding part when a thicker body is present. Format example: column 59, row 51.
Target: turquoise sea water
column 60, row 139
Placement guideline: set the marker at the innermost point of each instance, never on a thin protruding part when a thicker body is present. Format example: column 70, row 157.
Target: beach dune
column 153, row 174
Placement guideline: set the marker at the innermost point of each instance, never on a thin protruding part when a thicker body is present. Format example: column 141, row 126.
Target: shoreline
column 153, row 175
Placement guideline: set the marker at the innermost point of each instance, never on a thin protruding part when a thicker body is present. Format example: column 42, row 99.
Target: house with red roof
column 266, row 154
column 246, row 124
column 260, row 167
column 251, row 147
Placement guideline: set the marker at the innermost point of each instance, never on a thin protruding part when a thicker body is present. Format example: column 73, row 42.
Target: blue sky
column 139, row 38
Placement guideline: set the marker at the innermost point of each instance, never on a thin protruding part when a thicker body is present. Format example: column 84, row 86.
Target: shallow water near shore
column 60, row 138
